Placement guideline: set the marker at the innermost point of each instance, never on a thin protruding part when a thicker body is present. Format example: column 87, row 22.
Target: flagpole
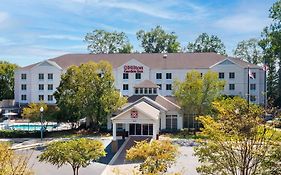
column 265, row 87
column 248, row 86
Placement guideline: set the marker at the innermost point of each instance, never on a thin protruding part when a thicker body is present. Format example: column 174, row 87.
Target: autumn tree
column 157, row 40
column 206, row 43
column 88, row 91
column 101, row 41
column 156, row 156
column 271, row 45
column 32, row 112
column 7, row 80
column 12, row 163
column 196, row 93
column 249, row 50
column 238, row 141
column 77, row 153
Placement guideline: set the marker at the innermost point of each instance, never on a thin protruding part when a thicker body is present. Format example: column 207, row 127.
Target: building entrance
column 141, row 129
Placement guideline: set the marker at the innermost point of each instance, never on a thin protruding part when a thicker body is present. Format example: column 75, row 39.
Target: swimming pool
column 31, row 127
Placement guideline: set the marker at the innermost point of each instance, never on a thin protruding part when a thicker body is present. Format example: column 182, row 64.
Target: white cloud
column 3, row 17
column 243, row 23
column 31, row 51
column 62, row 37
column 151, row 8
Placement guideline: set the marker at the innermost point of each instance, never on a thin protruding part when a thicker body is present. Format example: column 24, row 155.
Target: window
column 171, row 122
column 136, row 90
column 160, row 86
column 125, row 76
column 231, row 75
column 23, row 87
column 145, row 90
column 23, row 97
column 158, row 75
column 231, row 86
column 254, row 74
column 50, row 87
column 168, row 75
column 41, row 87
column 150, row 91
column 253, row 98
column 221, row 75
column 252, row 86
column 23, row 76
column 41, row 97
column 141, row 90
column 168, row 86
column 138, row 75
column 119, row 125
column 50, row 76
column 50, row 98
column 41, row 76
column 154, row 90
column 125, row 87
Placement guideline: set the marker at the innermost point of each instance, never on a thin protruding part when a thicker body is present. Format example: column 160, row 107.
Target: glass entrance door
column 140, row 129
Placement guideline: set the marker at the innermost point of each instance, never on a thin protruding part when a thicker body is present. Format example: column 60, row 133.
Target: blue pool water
column 30, row 127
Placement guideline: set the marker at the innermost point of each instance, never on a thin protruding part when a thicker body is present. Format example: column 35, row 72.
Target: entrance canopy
column 139, row 113
column 141, row 118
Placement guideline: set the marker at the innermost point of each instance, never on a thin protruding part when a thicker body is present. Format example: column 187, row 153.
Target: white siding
column 240, row 80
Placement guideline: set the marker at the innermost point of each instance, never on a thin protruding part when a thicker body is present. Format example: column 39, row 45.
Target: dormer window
column 136, row 90
column 146, row 87
column 141, row 90
column 145, row 90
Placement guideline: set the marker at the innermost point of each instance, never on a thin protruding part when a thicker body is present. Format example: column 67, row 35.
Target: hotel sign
column 133, row 69
column 134, row 114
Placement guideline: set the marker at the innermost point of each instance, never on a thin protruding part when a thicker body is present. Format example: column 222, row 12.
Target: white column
column 114, row 131
column 154, row 131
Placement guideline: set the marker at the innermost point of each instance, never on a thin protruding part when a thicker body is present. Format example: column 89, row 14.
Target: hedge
column 19, row 134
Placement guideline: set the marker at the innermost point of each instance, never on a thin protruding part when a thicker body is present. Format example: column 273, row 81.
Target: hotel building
column 147, row 80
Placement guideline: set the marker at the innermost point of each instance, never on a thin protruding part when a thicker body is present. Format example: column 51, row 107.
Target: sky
column 36, row 30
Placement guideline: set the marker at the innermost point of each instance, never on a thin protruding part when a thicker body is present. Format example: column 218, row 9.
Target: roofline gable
column 49, row 62
column 139, row 109
column 223, row 61
column 148, row 99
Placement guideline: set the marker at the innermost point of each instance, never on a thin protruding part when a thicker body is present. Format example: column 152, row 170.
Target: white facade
column 238, row 83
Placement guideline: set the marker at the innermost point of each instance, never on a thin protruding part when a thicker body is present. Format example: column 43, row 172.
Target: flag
column 251, row 75
column 265, row 67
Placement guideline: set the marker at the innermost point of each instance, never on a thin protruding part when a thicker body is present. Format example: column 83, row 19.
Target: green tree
column 249, row 50
column 271, row 45
column 196, row 93
column 7, row 80
column 206, row 43
column 101, row 41
column 12, row 163
column 238, row 142
column 78, row 153
column 158, row 41
column 32, row 112
column 88, row 91
column 157, row 156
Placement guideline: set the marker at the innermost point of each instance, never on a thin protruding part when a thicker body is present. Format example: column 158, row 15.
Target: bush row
column 19, row 134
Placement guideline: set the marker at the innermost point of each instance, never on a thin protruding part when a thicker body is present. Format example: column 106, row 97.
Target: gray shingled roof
column 146, row 84
column 152, row 60
column 163, row 101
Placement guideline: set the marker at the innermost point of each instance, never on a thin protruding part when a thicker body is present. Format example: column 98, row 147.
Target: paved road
column 186, row 162
column 42, row 168
column 48, row 169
